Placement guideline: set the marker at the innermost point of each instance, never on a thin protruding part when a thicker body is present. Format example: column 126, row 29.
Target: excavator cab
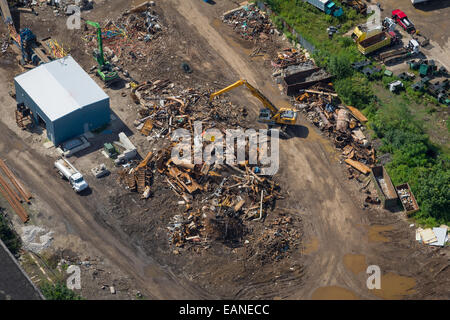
column 270, row 115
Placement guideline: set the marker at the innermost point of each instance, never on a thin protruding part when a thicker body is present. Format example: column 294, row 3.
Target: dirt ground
column 432, row 19
column 340, row 236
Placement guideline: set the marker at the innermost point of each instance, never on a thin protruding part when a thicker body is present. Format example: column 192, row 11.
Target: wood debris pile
column 342, row 124
column 288, row 57
column 217, row 201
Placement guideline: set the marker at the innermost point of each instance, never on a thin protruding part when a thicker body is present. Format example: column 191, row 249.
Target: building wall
column 23, row 97
column 88, row 118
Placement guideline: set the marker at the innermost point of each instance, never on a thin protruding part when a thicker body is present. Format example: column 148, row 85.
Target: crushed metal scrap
column 250, row 23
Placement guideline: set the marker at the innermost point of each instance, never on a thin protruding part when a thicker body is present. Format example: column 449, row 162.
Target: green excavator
column 105, row 70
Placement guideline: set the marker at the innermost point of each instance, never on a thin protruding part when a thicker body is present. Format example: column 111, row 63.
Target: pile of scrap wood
column 165, row 107
column 250, row 23
column 288, row 57
column 138, row 178
column 344, row 124
column 217, row 199
column 276, row 242
column 433, row 237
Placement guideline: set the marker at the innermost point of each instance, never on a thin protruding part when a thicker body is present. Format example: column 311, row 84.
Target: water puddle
column 356, row 263
column 394, row 287
column 375, row 233
column 333, row 293
column 312, row 246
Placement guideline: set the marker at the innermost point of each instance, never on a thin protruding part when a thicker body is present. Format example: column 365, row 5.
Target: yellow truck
column 376, row 42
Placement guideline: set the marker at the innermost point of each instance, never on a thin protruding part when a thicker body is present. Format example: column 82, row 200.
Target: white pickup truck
column 68, row 171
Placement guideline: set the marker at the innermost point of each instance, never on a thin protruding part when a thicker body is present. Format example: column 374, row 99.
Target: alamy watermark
column 74, row 280
column 74, row 20
column 220, row 148
column 374, row 280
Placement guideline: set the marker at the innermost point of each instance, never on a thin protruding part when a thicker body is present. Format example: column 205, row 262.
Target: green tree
column 9, row 237
column 58, row 291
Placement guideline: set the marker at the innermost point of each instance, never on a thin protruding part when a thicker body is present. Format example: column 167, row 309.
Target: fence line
column 286, row 26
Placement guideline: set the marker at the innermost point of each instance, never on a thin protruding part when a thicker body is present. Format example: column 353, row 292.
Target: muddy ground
column 340, row 236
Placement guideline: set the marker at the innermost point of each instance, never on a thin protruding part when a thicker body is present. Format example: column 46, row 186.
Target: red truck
column 402, row 19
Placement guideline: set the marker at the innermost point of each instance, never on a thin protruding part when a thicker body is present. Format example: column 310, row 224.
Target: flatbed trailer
column 385, row 55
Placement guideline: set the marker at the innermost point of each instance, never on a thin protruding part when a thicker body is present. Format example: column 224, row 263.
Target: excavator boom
column 100, row 58
column 270, row 114
column 255, row 92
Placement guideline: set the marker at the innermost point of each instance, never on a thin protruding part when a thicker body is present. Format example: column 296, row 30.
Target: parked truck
column 402, row 19
column 327, row 6
column 376, row 42
column 401, row 53
column 68, row 171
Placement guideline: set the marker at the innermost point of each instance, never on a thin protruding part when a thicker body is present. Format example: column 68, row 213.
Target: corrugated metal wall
column 23, row 97
column 88, row 118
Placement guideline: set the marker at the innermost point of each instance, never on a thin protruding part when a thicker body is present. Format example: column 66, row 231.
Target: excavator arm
column 100, row 57
column 255, row 92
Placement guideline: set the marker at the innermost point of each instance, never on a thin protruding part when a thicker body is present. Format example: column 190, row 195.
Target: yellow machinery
column 361, row 32
column 270, row 114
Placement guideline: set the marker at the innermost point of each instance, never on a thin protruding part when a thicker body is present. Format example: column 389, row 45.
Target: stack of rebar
column 11, row 196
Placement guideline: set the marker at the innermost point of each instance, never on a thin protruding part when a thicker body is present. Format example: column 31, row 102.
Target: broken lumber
column 321, row 92
column 357, row 114
column 358, row 166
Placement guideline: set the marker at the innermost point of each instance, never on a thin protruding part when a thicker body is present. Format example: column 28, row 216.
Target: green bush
column 58, row 291
column 9, row 237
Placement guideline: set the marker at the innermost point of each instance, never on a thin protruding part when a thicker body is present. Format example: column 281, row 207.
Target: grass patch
column 58, row 291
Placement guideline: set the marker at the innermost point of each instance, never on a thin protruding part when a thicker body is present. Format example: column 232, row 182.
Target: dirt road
column 80, row 215
column 336, row 226
column 340, row 240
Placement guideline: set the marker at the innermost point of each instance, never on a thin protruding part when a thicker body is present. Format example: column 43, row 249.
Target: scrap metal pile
column 128, row 37
column 343, row 124
column 250, row 23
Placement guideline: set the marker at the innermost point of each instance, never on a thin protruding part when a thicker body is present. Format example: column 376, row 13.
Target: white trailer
column 68, row 171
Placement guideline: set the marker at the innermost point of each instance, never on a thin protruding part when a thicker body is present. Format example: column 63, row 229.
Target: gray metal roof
column 60, row 87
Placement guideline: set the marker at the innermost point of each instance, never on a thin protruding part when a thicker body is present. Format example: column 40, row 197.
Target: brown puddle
column 375, row 233
column 333, row 293
column 356, row 263
column 394, row 287
column 312, row 246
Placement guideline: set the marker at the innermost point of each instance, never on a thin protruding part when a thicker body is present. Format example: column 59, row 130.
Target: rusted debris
column 358, row 165
column 12, row 198
column 26, row 196
column 407, row 198
column 250, row 23
column 357, row 114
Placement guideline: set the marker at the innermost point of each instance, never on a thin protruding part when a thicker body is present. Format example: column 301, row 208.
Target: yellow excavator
column 271, row 115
